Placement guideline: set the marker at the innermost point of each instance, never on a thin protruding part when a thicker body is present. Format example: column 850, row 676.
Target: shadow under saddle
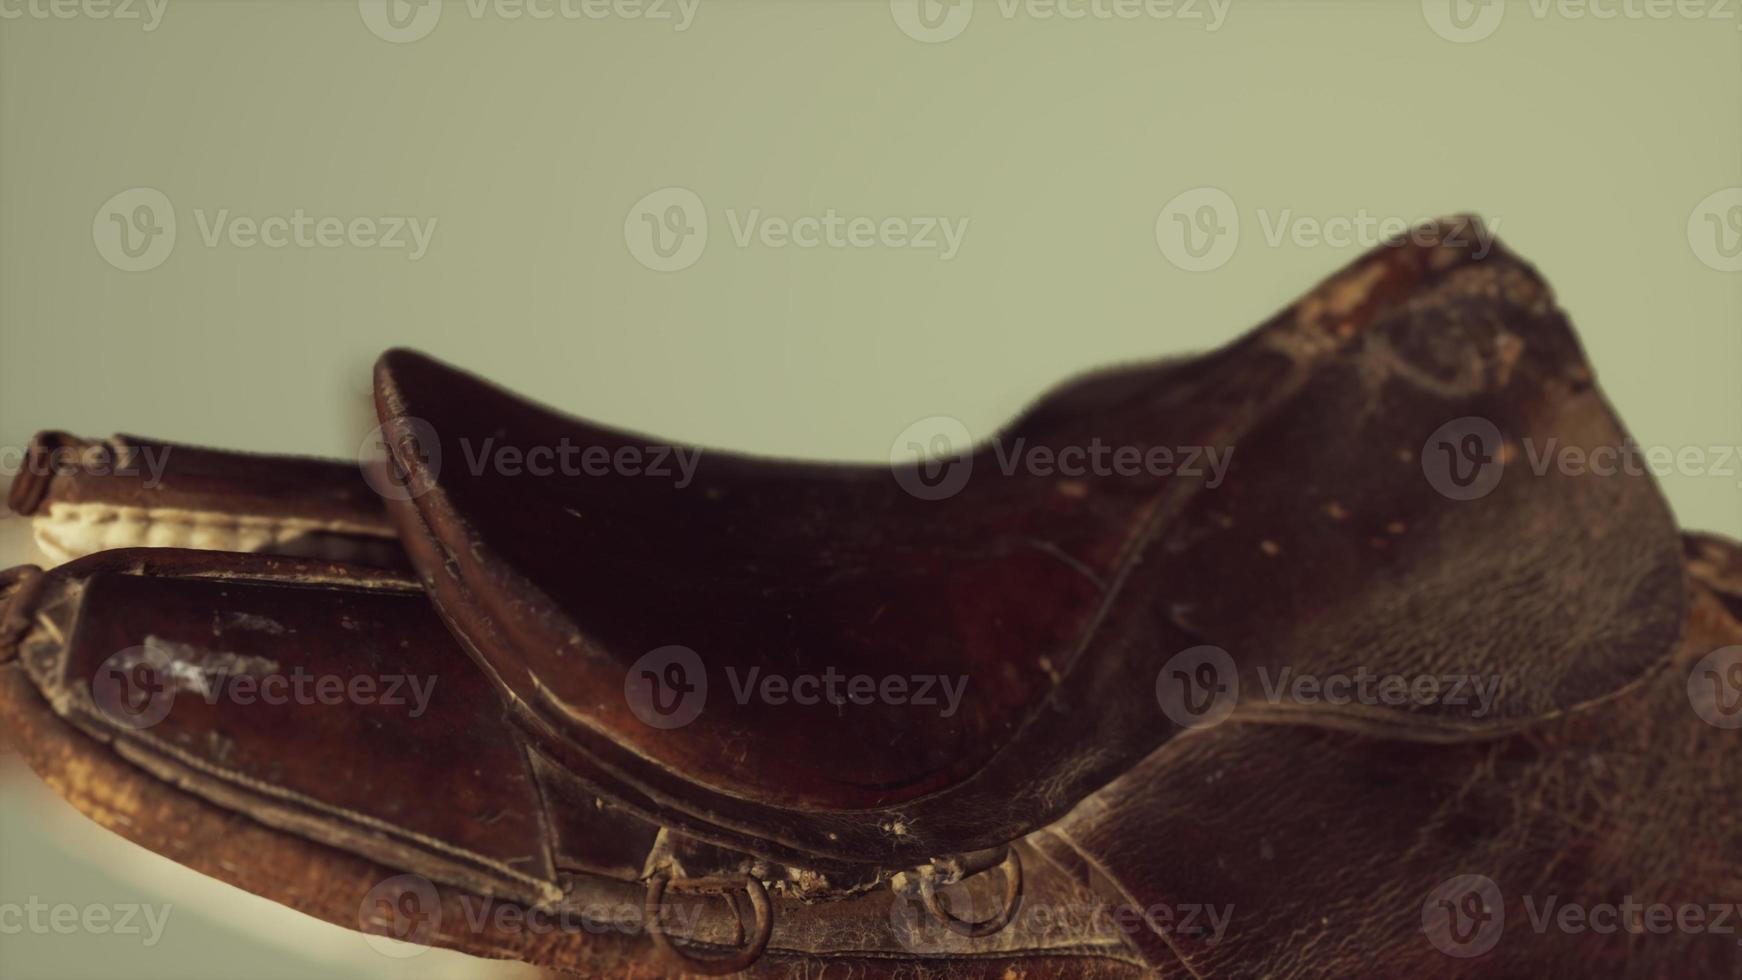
column 549, row 611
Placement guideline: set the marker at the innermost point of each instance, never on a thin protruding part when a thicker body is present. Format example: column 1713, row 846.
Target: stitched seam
column 69, row 514
column 1116, row 881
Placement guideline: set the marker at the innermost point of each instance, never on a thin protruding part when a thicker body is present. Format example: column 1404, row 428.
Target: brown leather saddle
column 580, row 670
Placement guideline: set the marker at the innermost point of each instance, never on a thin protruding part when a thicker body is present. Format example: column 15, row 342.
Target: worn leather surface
column 324, row 699
column 1319, row 849
column 1058, row 599
column 1334, row 849
column 596, row 931
column 1294, row 838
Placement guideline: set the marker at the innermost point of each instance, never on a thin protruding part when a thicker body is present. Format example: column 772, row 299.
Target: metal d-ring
column 1012, row 865
column 746, row 954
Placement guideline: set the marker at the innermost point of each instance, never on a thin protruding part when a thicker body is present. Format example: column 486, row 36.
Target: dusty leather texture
column 598, row 930
column 198, row 666
column 1337, row 848
column 1345, row 845
column 508, row 800
column 1055, row 599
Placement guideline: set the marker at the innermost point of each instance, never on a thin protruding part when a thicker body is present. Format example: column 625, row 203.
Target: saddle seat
column 1000, row 627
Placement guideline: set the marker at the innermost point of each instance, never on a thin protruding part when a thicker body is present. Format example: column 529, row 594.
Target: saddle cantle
column 590, row 735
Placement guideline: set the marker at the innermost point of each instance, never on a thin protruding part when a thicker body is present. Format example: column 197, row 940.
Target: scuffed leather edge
column 333, row 885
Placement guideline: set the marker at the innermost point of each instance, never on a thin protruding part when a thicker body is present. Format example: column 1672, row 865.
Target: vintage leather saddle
column 558, row 668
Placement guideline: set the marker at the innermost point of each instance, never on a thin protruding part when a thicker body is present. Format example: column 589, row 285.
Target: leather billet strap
column 87, row 495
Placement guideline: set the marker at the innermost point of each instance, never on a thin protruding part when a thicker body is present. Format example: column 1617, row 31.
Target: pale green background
column 1589, row 142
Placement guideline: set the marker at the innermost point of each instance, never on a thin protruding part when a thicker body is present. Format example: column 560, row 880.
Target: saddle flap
column 1423, row 859
column 320, row 699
